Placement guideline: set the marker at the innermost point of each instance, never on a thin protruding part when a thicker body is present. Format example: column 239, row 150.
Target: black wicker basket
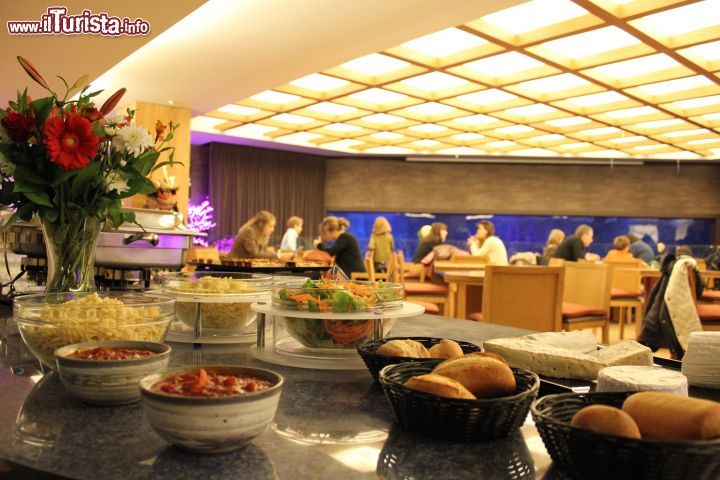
column 456, row 419
column 588, row 455
column 375, row 362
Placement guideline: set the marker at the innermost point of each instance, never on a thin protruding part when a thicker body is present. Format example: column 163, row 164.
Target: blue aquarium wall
column 528, row 233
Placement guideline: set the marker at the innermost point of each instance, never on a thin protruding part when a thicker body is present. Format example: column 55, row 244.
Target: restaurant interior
column 476, row 171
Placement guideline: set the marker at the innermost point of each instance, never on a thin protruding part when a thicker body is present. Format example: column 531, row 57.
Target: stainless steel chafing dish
column 161, row 243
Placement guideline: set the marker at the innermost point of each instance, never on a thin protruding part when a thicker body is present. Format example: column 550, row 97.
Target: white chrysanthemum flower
column 7, row 168
column 114, row 118
column 115, row 181
column 135, row 139
column 4, row 137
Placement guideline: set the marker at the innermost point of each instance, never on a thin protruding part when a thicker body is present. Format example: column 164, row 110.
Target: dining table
column 461, row 284
column 441, row 266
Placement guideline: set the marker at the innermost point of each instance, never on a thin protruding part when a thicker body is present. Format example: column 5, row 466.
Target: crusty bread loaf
column 446, row 349
column 477, row 354
column 670, row 417
column 485, row 377
column 403, row 348
column 439, row 385
column 606, row 419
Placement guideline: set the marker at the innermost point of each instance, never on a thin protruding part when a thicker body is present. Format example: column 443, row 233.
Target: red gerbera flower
column 70, row 142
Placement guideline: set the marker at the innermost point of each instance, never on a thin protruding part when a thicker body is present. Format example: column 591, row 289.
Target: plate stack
column 700, row 364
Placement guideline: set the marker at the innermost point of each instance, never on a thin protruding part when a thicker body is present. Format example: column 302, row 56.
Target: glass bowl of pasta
column 50, row 321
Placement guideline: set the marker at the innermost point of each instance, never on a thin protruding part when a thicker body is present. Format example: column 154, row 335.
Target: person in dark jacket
column 573, row 247
column 640, row 249
column 437, row 235
column 345, row 248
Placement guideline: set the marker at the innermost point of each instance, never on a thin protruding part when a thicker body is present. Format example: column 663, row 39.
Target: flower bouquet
column 71, row 164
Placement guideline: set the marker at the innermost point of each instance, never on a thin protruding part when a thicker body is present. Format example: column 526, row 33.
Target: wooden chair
column 369, row 273
column 556, row 262
column 626, row 293
column 709, row 313
column 423, row 292
column 410, row 271
column 586, row 297
column 469, row 258
column 524, row 297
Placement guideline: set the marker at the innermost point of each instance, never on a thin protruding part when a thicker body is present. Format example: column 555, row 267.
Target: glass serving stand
column 320, row 340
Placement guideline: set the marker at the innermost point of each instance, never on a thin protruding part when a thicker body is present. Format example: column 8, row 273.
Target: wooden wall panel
column 654, row 190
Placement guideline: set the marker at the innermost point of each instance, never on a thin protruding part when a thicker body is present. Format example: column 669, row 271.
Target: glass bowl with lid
column 216, row 303
column 50, row 321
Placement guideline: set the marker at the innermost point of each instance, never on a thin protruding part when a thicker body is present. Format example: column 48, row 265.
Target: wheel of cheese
column 633, row 378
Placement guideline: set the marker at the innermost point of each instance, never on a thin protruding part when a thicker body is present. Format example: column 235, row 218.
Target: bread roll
column 606, row 419
column 477, row 354
column 439, row 385
column 485, row 377
column 403, row 348
column 670, row 417
column 446, row 349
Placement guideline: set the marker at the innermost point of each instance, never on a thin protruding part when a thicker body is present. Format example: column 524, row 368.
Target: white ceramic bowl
column 211, row 424
column 109, row 382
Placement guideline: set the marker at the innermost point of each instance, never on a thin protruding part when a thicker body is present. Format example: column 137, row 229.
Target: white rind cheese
column 582, row 341
column 641, row 379
column 543, row 359
column 700, row 363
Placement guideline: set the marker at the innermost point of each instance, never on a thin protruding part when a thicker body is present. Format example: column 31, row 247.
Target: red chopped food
column 210, row 384
column 110, row 353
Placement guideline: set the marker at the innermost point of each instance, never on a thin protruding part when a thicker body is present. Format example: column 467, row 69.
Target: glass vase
column 70, row 249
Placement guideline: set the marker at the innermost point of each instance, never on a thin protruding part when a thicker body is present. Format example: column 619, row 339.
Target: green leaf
column 40, row 198
column 50, row 214
column 23, row 186
column 42, row 108
column 146, row 161
column 26, row 173
column 116, row 214
column 22, row 212
column 139, row 184
column 85, row 177
column 61, row 176
column 166, row 162
column 98, row 130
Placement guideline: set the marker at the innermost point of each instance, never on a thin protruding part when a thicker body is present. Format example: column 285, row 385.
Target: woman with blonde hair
column 345, row 248
column 381, row 243
column 253, row 237
column 554, row 239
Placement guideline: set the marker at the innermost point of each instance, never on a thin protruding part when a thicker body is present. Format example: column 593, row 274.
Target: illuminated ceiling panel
column 606, row 78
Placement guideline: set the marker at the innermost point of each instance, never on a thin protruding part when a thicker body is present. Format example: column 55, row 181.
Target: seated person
column 573, row 247
column 381, row 244
column 345, row 248
column 252, row 238
column 640, row 249
column 554, row 239
column 621, row 251
column 436, row 236
column 290, row 239
column 485, row 243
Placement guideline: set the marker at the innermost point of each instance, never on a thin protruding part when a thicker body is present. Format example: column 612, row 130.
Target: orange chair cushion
column 620, row 293
column 430, row 308
column 477, row 316
column 711, row 295
column 412, row 275
column 575, row 310
column 708, row 312
column 417, row 288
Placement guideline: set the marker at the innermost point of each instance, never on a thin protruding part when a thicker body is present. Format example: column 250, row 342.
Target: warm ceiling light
column 591, row 43
column 564, row 81
column 445, row 42
column 330, row 108
column 604, row 153
column 238, row 110
column 575, row 146
column 703, row 141
column 676, row 155
column 568, row 122
column 435, row 81
column 342, row 127
column 428, row 128
column 685, row 133
column 503, row 64
column 299, row 138
column 531, row 110
column 468, row 137
column 487, row 97
column 386, row 135
column 712, row 116
column 431, row 108
column 202, row 123
column 278, row 98
column 648, row 147
column 389, row 150
column 292, row 118
column 678, row 85
column 374, row 64
column 514, row 129
column 600, row 131
column 688, row 18
column 346, row 144
column 426, row 143
column 660, row 123
column 594, row 99
column 632, row 139
column 532, row 15
column 378, row 95
column 546, row 138
column 319, row 82
column 637, row 66
column 478, row 119
column 500, row 144
column 251, row 130
column 631, row 112
column 697, row 102
column 532, row 152
column 383, row 118
column 706, row 51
